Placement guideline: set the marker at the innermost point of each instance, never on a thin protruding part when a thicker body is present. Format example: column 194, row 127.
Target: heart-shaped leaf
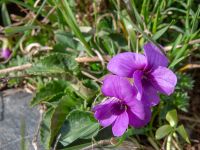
column 172, row 118
column 79, row 124
column 183, row 133
column 163, row 131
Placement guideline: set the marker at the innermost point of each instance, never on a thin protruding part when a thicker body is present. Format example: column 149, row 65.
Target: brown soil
column 191, row 119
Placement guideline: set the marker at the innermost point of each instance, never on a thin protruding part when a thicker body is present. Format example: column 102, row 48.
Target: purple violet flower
column 121, row 108
column 5, row 53
column 149, row 71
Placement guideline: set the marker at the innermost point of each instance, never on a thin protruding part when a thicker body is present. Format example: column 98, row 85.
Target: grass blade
column 5, row 15
column 195, row 21
column 158, row 34
column 13, row 30
column 136, row 13
column 70, row 20
column 145, row 10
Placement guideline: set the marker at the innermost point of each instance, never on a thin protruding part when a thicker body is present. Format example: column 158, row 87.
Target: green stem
column 153, row 143
column 177, row 140
column 169, row 142
column 155, row 113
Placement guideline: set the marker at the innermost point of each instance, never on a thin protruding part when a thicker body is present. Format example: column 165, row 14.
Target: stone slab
column 16, row 117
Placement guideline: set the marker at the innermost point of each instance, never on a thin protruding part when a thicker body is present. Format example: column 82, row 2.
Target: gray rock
column 17, row 120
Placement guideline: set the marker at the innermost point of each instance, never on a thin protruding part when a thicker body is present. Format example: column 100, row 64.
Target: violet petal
column 124, row 64
column 119, row 87
column 150, row 94
column 121, row 124
column 104, row 110
column 137, row 76
column 137, row 108
column 136, row 122
column 164, row 80
column 154, row 56
column 108, row 121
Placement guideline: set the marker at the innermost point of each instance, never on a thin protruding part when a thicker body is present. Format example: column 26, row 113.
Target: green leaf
column 119, row 40
column 49, row 91
column 163, row 131
column 181, row 52
column 108, row 45
column 77, row 147
column 54, row 119
column 71, row 21
column 136, row 13
column 133, row 25
column 83, row 91
column 159, row 33
column 66, row 39
column 145, row 10
column 140, row 131
column 172, row 118
column 130, row 31
column 155, row 21
column 5, row 15
column 54, row 63
column 176, row 43
column 18, row 29
column 60, row 113
column 79, row 124
column 175, row 62
column 187, row 18
column 195, row 20
column 45, row 130
column 183, row 133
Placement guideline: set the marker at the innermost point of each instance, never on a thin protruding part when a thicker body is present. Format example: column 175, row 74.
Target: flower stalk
column 169, row 142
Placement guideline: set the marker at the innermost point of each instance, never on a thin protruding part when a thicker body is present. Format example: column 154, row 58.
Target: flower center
column 123, row 107
column 119, row 107
column 144, row 77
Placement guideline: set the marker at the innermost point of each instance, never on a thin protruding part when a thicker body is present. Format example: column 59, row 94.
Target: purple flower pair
column 130, row 104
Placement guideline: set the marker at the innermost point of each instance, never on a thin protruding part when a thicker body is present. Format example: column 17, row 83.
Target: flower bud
column 5, row 53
